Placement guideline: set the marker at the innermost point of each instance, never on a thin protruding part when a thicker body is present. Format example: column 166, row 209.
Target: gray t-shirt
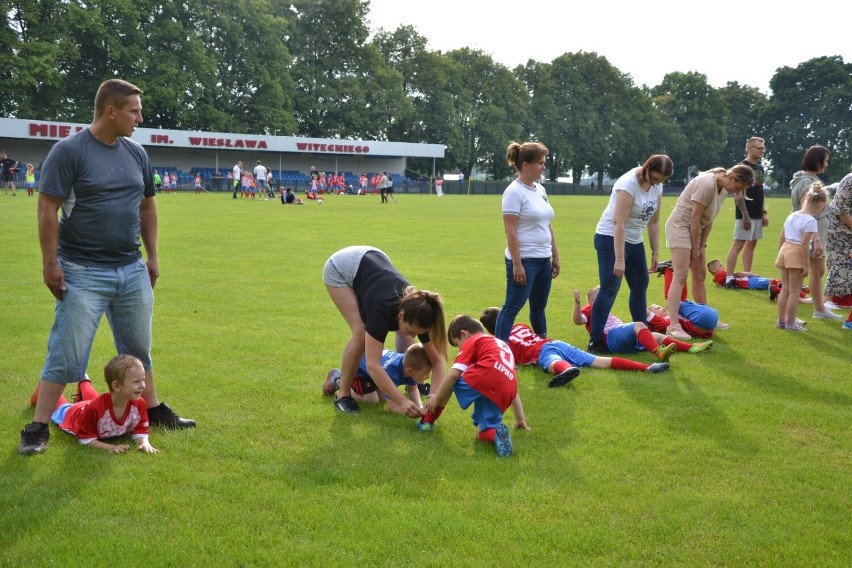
column 101, row 188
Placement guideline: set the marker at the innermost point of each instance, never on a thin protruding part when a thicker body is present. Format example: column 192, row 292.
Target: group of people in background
column 375, row 299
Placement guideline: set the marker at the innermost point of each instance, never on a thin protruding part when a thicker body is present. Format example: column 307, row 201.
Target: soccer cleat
column 424, row 388
column 772, row 294
column 564, row 377
column 34, row 438
column 847, row 325
column 503, row 441
column 657, row 368
column 346, row 404
column 731, row 285
column 597, row 348
column 165, row 417
column 425, row 426
column 701, row 347
column 332, row 382
column 664, row 352
column 826, row 315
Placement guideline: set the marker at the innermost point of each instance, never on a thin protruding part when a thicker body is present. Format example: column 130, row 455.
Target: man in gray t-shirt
column 103, row 183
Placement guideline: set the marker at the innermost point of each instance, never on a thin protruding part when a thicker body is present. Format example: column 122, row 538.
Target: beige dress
column 702, row 189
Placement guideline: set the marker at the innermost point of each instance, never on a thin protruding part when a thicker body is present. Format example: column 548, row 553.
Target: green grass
column 740, row 456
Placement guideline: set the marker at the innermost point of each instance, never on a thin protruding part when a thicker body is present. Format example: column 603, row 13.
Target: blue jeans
column 124, row 294
column 537, row 290
column 636, row 274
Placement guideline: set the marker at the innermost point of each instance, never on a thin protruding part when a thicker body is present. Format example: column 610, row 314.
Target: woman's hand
column 618, row 268
column 519, row 275
column 555, row 267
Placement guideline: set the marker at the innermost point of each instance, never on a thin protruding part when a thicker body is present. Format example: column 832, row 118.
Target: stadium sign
column 156, row 137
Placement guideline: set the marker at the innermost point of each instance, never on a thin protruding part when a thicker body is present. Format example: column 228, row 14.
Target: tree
column 743, row 108
column 490, row 105
column 697, row 109
column 811, row 104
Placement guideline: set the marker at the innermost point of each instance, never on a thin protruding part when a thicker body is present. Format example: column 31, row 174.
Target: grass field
column 740, row 456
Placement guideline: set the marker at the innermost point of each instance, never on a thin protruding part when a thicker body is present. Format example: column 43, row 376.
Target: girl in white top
column 633, row 205
column 532, row 260
column 800, row 231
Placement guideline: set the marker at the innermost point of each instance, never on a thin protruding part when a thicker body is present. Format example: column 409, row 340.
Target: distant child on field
column 556, row 357
column 158, row 181
column 483, row 375
column 115, row 413
column 198, row 183
column 800, row 228
column 30, row 179
column 750, row 281
column 620, row 337
column 409, row 369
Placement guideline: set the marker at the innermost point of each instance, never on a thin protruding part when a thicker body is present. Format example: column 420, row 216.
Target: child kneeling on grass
column 409, row 369
column 115, row 413
column 556, row 357
column 483, row 375
column 633, row 337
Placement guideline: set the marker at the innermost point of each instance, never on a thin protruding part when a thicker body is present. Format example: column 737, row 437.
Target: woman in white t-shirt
column 532, row 261
column 633, row 205
column 799, row 233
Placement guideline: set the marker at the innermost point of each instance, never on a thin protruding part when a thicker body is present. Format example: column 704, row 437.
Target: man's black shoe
column 165, row 417
column 34, row 438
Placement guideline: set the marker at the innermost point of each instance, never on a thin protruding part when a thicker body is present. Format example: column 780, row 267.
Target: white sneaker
column 829, row 305
column 801, row 322
column 826, row 315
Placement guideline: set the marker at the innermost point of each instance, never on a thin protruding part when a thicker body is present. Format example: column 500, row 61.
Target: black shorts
column 363, row 386
column 7, row 177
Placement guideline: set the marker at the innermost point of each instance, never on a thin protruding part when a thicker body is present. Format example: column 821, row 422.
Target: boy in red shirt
column 115, row 413
column 483, row 375
column 558, row 358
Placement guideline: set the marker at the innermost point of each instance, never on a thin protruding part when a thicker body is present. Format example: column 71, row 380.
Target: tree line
column 310, row 68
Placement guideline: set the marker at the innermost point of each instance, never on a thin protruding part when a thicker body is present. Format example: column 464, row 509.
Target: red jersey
column 91, row 420
column 661, row 323
column 488, row 366
column 525, row 344
column 720, row 277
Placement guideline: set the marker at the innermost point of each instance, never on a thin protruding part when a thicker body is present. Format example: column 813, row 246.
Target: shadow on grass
column 35, row 488
column 686, row 408
column 792, row 386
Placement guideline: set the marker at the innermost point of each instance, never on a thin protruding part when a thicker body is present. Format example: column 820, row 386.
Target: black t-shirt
column 755, row 193
column 379, row 288
column 7, row 164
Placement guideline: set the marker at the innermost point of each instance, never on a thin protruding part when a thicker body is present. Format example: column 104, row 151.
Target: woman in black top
column 375, row 299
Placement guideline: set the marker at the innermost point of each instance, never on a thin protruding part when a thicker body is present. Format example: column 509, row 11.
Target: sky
column 647, row 40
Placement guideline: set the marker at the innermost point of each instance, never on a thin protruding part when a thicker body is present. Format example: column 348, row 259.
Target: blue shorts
column 622, row 339
column 486, row 414
column 758, row 283
column 124, row 294
column 58, row 415
column 553, row 351
column 700, row 315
